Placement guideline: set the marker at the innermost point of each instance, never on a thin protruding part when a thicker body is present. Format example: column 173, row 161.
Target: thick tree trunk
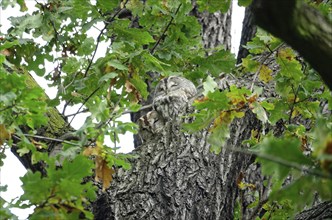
column 320, row 211
column 177, row 177
column 216, row 28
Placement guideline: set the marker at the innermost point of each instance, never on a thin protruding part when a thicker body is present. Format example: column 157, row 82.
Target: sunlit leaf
column 209, row 85
column 259, row 111
column 265, row 74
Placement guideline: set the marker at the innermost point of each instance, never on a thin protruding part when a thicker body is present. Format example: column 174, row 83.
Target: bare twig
column 95, row 51
column 49, row 139
column 5, row 108
column 85, row 101
column 141, row 109
column 293, row 104
column 107, row 23
column 281, row 162
column 83, row 111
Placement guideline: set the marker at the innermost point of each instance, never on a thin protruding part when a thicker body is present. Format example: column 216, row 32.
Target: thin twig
column 111, row 118
column 83, row 111
column 95, row 51
column 280, row 161
column 99, row 37
column 65, row 106
column 258, row 208
column 5, row 108
column 49, row 139
column 85, row 101
column 262, row 63
column 272, row 210
column 293, row 104
column 141, row 109
column 164, row 32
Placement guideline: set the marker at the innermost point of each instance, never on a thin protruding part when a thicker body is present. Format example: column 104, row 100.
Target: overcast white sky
column 12, row 169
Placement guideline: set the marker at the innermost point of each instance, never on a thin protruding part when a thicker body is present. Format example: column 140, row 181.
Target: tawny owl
column 172, row 95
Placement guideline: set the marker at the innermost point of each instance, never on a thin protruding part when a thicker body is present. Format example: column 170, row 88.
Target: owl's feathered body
column 170, row 101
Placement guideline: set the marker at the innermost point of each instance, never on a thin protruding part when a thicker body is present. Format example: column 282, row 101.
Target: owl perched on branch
column 170, row 101
column 172, row 95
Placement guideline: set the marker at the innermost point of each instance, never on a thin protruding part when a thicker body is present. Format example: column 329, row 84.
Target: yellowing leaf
column 243, row 186
column 4, row 134
column 250, row 65
column 103, row 172
column 265, row 74
column 89, row 151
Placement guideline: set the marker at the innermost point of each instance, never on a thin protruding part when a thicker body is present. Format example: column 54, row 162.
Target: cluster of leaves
column 300, row 107
column 166, row 40
column 61, row 194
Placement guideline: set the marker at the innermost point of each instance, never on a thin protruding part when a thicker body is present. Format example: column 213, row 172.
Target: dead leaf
column 130, row 88
column 103, row 172
column 91, row 151
column 4, row 134
column 6, row 52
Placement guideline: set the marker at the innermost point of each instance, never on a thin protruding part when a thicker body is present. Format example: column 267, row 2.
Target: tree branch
column 302, row 27
column 108, row 22
column 281, row 162
column 320, row 211
column 49, row 139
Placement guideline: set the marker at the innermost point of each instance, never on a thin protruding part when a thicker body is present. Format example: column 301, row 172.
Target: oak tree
column 253, row 142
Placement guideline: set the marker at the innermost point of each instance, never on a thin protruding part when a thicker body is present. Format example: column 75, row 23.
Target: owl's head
column 172, row 95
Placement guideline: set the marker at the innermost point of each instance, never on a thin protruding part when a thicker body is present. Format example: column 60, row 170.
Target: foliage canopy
column 167, row 40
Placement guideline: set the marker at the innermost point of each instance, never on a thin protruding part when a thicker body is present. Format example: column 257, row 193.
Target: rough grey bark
column 177, row 177
column 320, row 211
column 216, row 28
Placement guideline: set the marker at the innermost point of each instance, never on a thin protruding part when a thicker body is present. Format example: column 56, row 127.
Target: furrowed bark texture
column 320, row 211
column 176, row 176
column 302, row 27
column 216, row 28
